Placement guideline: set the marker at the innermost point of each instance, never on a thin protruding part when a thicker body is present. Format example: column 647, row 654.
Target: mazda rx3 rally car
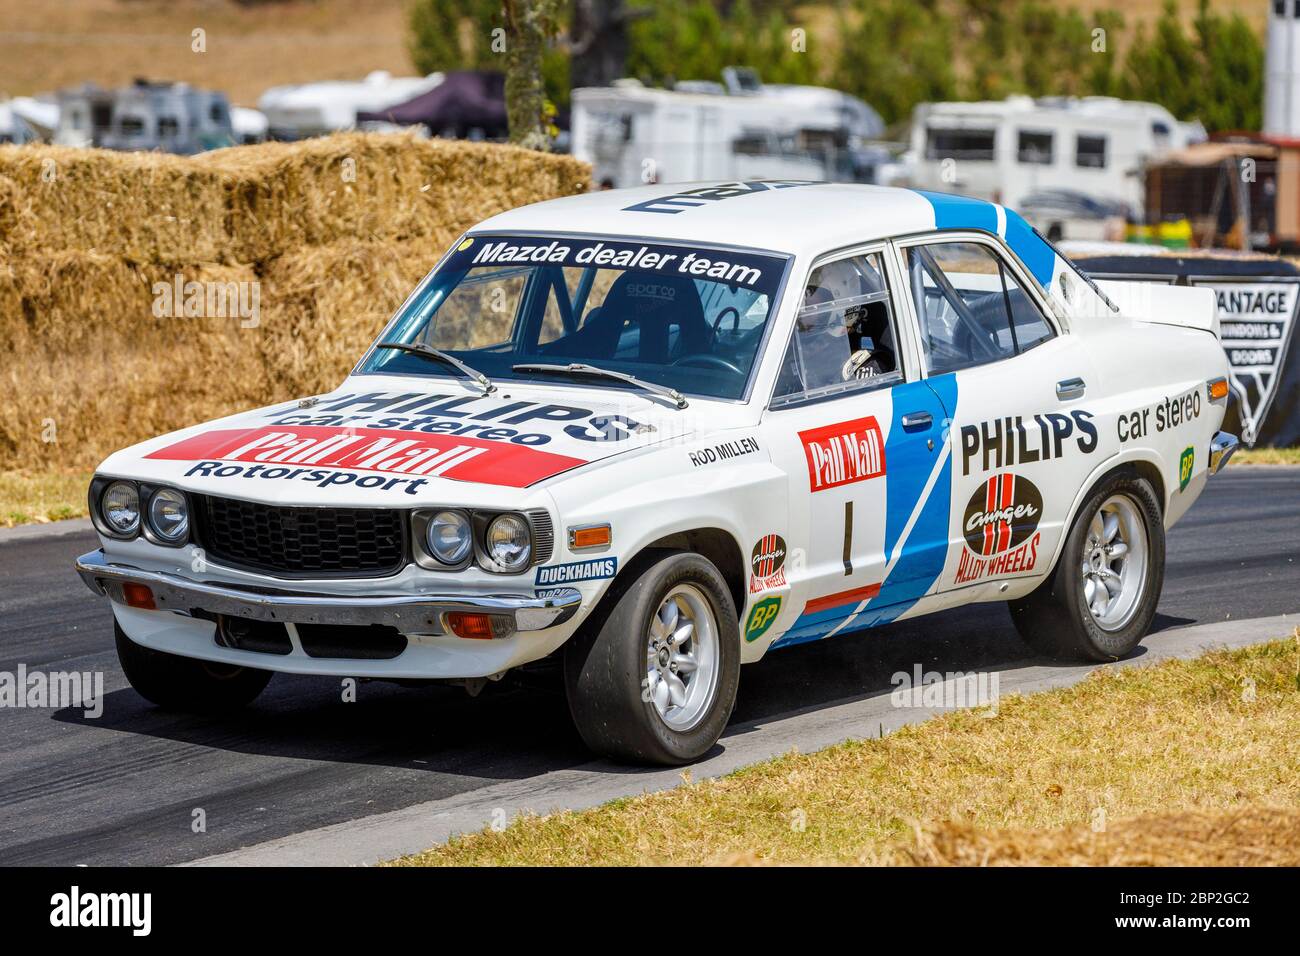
column 666, row 431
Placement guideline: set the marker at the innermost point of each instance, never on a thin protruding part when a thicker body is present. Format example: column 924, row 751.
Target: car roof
column 790, row 216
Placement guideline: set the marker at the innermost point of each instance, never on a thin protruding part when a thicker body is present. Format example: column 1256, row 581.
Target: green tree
column 529, row 26
column 453, row 34
column 895, row 54
column 1214, row 73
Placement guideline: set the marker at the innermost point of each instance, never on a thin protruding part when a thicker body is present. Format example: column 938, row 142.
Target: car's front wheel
column 183, row 683
column 652, row 677
column 1100, row 600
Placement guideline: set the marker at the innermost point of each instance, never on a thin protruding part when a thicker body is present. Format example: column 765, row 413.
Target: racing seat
column 662, row 313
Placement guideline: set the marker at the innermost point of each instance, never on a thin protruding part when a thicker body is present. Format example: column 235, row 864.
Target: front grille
column 364, row 542
column 374, row 642
column 543, row 534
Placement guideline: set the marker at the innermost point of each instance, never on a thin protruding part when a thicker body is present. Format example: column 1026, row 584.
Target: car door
column 859, row 443
column 1025, row 435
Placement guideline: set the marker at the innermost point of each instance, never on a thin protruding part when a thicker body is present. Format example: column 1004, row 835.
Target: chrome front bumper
column 1222, row 447
column 409, row 613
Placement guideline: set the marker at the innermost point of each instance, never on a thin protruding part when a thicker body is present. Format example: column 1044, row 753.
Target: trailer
column 1005, row 150
column 736, row 130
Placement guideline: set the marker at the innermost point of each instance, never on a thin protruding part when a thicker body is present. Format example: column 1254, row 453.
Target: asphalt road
column 127, row 787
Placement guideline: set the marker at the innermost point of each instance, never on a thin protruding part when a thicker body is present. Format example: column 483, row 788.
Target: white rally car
column 664, row 431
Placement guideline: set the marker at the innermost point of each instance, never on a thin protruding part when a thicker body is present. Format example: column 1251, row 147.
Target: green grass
column 1266, row 456
column 1209, row 739
column 28, row 497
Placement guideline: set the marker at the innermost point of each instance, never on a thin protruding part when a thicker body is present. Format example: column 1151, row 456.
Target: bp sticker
column 761, row 616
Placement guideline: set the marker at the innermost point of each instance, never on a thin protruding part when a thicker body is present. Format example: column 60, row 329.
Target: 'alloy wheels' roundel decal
column 768, row 556
column 1002, row 513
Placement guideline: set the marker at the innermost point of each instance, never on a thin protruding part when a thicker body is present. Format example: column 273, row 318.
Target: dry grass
column 44, row 46
column 1201, row 744
column 333, row 232
column 1250, row 836
column 250, row 46
column 1266, row 456
column 27, row 497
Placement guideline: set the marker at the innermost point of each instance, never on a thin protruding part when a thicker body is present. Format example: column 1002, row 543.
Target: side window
column 971, row 307
column 844, row 334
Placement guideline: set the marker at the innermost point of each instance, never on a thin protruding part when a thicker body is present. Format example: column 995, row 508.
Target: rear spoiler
column 1188, row 306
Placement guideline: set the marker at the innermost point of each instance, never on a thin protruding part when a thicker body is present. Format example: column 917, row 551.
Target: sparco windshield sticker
column 296, row 453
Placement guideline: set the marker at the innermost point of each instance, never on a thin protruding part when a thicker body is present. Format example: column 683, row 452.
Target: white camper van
column 737, row 130
column 171, row 117
column 314, row 109
column 1005, row 150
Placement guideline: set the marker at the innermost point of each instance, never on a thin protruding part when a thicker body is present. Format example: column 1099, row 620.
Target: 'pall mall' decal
column 843, row 453
column 372, row 449
column 1001, row 528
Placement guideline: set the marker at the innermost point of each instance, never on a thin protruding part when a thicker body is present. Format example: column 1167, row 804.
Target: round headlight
column 449, row 537
column 509, row 544
column 119, row 506
column 169, row 514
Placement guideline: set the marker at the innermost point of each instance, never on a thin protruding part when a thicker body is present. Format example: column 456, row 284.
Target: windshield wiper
column 578, row 368
column 438, row 355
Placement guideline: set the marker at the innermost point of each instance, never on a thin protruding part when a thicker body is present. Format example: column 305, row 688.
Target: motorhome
column 738, row 129
column 13, row 127
column 171, row 117
column 315, row 109
column 1005, row 150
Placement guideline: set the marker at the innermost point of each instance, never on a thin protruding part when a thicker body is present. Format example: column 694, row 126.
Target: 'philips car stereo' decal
column 1001, row 529
column 491, row 419
column 577, row 571
column 315, row 449
column 843, row 453
column 767, row 564
column 1004, row 442
column 1168, row 413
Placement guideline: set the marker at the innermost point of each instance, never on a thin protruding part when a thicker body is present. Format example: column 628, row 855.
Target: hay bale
column 333, row 233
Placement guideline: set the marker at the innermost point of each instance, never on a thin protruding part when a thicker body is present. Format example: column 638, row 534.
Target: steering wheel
column 707, row 360
column 735, row 322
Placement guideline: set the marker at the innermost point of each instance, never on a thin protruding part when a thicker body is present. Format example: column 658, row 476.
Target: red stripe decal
column 416, row 454
column 855, row 596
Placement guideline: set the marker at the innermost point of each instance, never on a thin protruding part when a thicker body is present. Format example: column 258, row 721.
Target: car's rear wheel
column 652, row 677
column 183, row 683
column 1099, row 601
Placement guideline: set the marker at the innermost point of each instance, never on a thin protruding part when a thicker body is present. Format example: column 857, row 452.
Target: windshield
column 686, row 317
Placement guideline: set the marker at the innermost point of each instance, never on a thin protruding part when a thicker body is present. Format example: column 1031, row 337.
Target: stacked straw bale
column 334, row 232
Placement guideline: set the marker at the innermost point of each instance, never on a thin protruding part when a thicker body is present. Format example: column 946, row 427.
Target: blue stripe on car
column 963, row 212
column 926, row 548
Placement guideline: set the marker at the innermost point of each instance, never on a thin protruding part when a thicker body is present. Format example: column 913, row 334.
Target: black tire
column 186, row 684
column 605, row 664
column 1054, row 618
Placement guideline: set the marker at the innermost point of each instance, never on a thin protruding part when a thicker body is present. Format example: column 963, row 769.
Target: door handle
column 1070, row 388
column 915, row 420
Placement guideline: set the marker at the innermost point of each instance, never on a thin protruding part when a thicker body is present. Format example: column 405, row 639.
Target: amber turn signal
column 1218, row 389
column 138, row 595
column 590, row 536
column 477, row 627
